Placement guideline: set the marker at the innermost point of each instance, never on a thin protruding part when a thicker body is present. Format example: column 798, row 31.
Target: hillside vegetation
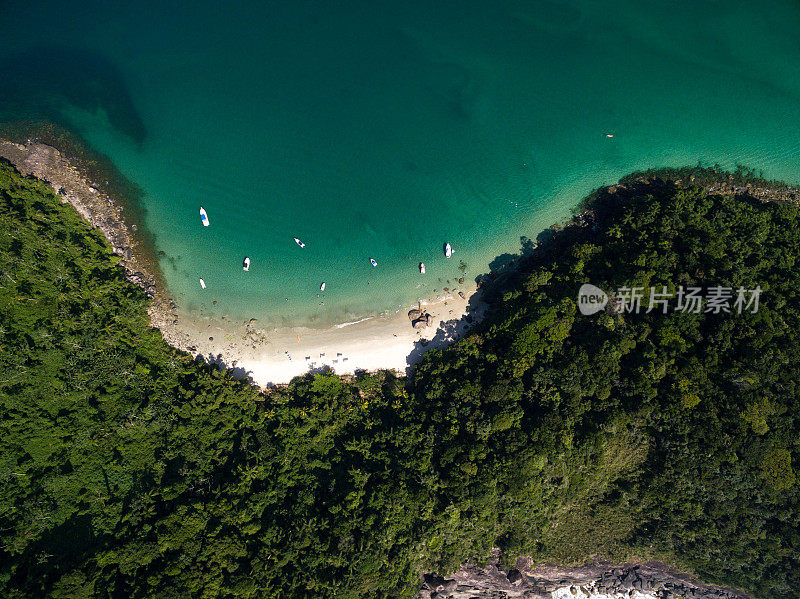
column 129, row 470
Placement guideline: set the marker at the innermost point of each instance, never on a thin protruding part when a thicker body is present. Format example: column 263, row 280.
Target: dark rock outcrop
column 527, row 581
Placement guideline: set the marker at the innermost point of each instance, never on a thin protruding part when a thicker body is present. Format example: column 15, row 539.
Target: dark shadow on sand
column 237, row 373
column 502, row 272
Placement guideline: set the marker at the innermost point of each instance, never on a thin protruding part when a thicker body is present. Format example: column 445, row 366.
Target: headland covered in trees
column 131, row 470
column 266, row 354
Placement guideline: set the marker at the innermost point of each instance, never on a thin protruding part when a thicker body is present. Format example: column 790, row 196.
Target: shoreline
column 273, row 356
column 267, row 356
column 102, row 212
column 270, row 356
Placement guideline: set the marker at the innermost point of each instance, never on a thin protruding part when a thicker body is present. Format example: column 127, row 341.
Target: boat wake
column 347, row 324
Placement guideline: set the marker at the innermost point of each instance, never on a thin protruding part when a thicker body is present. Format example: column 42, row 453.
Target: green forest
column 127, row 469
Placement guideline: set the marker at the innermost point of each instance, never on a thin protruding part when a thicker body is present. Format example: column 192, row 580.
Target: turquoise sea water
column 383, row 129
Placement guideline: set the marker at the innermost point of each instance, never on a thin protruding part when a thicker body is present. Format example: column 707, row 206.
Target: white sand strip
column 278, row 355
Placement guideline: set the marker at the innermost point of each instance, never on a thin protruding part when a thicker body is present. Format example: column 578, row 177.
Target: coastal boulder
column 414, row 314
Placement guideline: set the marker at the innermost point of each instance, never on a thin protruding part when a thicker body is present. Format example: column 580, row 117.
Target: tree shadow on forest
column 491, row 286
column 504, row 266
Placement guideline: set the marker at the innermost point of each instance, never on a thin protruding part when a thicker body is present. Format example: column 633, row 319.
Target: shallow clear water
column 377, row 129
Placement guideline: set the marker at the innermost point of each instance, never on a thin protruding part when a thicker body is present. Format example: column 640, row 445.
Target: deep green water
column 376, row 129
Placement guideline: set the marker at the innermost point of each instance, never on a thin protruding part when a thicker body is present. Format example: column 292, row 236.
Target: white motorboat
column 203, row 216
column 422, row 267
column 202, row 283
column 373, row 262
column 300, row 243
column 246, row 263
column 322, row 287
column 448, row 250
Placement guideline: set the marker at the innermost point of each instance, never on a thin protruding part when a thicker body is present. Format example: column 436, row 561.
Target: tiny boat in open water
column 373, row 262
column 300, row 243
column 422, row 267
column 246, row 263
column 203, row 217
column 322, row 287
column 202, row 283
column 448, row 250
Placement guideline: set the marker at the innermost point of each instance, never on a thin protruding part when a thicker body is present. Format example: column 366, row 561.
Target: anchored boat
column 448, row 250
column 322, row 287
column 300, row 243
column 202, row 283
column 246, row 263
column 203, row 217
column 373, row 262
column 422, row 267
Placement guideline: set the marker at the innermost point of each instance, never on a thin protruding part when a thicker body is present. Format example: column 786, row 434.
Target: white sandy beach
column 275, row 356
column 267, row 355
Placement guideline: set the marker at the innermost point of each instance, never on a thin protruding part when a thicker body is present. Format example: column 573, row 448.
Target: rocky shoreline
column 742, row 182
column 102, row 212
column 526, row 581
column 249, row 351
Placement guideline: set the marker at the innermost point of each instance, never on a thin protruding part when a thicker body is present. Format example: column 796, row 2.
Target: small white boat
column 609, row 135
column 422, row 267
column 373, row 262
column 203, row 217
column 448, row 250
column 322, row 287
column 246, row 263
column 300, row 243
column 202, row 283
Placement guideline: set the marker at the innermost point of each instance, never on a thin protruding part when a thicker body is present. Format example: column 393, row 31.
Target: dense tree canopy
column 129, row 470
